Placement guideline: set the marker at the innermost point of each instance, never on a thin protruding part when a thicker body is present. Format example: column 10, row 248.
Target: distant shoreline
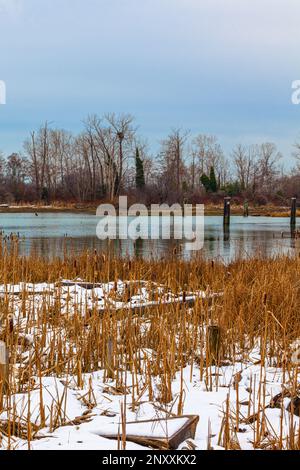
column 210, row 210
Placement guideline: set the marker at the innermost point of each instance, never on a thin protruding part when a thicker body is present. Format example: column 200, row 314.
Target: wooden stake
column 293, row 212
column 214, row 343
column 227, row 211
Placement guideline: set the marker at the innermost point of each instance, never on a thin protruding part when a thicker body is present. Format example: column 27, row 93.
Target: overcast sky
column 223, row 67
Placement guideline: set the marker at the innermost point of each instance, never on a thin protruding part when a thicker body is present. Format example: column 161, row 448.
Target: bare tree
column 172, row 159
column 208, row 153
column 245, row 160
column 37, row 150
column 267, row 166
column 110, row 142
column 17, row 170
column 122, row 125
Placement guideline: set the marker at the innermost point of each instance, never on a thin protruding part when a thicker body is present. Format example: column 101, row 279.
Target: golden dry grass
column 261, row 300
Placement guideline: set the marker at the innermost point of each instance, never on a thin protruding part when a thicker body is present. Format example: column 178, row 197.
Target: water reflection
column 56, row 235
column 226, row 233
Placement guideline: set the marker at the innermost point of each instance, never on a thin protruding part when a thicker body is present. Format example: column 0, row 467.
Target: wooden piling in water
column 227, row 211
column 293, row 212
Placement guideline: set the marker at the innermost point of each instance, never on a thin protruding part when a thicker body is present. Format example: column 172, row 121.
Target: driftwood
column 141, row 308
column 84, row 285
column 158, row 439
column 184, row 299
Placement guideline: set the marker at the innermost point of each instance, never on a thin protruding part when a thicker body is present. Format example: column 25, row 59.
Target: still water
column 53, row 234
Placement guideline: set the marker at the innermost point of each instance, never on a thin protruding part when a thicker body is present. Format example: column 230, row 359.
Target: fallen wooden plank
column 189, row 302
column 163, row 434
column 84, row 285
column 146, row 306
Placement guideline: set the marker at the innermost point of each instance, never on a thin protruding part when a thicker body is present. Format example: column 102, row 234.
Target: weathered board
column 163, row 434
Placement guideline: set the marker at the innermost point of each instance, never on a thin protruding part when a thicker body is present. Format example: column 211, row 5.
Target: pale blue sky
column 223, row 67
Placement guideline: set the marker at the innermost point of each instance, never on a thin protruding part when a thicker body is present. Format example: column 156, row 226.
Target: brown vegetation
column 261, row 300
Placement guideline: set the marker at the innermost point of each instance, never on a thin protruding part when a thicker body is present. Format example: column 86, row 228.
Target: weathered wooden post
column 226, row 219
column 4, row 371
column 214, row 344
column 227, row 211
column 293, row 214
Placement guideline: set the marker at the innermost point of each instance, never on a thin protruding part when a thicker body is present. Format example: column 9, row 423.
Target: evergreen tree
column 210, row 183
column 213, row 180
column 206, row 182
column 139, row 166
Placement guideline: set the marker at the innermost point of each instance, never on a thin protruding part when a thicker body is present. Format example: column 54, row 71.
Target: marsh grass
column 259, row 305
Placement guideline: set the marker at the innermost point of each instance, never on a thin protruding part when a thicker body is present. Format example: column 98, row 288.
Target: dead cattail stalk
column 4, row 372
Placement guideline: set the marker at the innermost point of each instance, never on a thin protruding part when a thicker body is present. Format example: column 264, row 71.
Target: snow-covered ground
column 105, row 416
column 65, row 416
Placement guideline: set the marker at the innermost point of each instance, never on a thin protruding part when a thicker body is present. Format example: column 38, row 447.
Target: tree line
column 109, row 157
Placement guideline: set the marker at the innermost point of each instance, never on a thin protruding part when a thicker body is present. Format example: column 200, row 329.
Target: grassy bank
column 210, row 209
